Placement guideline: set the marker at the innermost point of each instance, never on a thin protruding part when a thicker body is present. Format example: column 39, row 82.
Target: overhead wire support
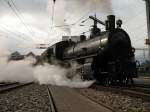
column 53, row 10
column 54, row 1
column 99, row 21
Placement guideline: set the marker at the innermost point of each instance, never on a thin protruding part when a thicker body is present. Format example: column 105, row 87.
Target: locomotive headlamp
column 119, row 23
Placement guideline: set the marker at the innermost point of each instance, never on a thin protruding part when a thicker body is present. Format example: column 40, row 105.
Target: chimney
column 82, row 38
column 110, row 23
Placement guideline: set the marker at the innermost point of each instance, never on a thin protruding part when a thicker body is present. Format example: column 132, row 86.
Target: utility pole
column 148, row 26
column 54, row 1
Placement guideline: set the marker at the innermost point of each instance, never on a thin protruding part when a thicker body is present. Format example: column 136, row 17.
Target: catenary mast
column 148, row 26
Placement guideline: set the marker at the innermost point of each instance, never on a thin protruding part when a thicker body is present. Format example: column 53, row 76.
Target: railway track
column 5, row 87
column 7, row 84
column 63, row 99
column 141, row 88
column 138, row 92
column 52, row 103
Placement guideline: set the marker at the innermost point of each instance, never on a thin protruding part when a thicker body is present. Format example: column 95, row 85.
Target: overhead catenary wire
column 82, row 17
column 53, row 5
column 140, row 38
column 77, row 21
column 12, row 37
column 4, row 26
column 18, row 16
column 16, row 35
column 74, row 23
column 6, row 36
column 19, row 12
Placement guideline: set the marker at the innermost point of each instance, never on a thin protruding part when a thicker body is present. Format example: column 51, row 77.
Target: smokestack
column 110, row 23
column 82, row 38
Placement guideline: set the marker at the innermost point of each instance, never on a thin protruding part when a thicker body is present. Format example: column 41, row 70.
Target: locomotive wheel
column 123, row 82
column 82, row 78
column 107, row 81
column 127, row 81
column 131, row 81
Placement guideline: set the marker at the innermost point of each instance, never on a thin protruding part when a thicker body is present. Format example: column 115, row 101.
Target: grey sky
column 37, row 14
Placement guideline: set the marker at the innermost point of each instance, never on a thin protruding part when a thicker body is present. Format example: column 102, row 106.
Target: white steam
column 57, row 14
column 55, row 75
column 102, row 6
column 19, row 71
column 23, row 71
column 65, row 13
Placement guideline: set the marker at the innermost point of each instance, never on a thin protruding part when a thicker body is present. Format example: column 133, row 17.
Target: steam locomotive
column 106, row 56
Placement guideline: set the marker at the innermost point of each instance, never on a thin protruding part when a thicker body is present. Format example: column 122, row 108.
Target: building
column 16, row 56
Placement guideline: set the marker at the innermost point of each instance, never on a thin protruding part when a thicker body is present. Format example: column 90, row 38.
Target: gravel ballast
column 119, row 102
column 31, row 98
column 34, row 98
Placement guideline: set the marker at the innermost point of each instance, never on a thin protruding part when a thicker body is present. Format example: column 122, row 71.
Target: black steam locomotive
column 106, row 56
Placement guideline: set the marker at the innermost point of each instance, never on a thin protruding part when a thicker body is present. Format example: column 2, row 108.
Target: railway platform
column 68, row 100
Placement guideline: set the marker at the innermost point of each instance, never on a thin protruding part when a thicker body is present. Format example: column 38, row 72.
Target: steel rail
column 130, row 91
column 100, row 103
column 52, row 102
column 12, row 87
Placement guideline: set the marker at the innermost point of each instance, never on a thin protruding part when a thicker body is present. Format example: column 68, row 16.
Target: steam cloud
column 57, row 13
column 102, row 6
column 67, row 12
column 23, row 71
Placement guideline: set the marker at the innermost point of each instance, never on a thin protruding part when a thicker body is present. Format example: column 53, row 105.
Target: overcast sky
column 30, row 21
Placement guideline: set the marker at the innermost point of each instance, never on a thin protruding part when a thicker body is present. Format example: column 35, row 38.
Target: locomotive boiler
column 106, row 56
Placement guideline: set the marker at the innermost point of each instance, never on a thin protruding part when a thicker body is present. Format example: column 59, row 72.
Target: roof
column 30, row 54
column 16, row 53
